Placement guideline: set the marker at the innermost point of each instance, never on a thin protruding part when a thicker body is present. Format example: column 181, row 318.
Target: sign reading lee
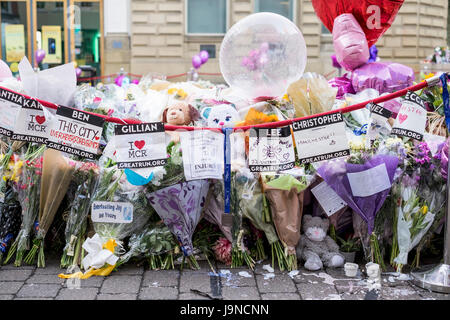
column 10, row 104
column 271, row 149
column 140, row 145
column 76, row 132
column 412, row 117
column 321, row 138
column 31, row 125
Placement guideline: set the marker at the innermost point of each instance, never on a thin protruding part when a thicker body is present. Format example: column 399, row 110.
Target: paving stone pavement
column 135, row 283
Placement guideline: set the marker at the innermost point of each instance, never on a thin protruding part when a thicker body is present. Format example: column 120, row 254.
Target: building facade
column 161, row 36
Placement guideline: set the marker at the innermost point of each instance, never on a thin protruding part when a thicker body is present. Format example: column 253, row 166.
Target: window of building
column 206, row 16
column 282, row 7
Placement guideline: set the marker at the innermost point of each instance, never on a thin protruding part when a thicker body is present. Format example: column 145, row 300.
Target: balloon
column 374, row 17
column 382, row 76
column 334, row 62
column 78, row 72
column 373, row 53
column 204, row 56
column 135, row 81
column 5, row 72
column 262, row 54
column 196, row 61
column 118, row 80
column 39, row 55
column 349, row 42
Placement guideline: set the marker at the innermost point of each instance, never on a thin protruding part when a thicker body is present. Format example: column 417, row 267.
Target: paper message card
column 368, row 182
column 203, row 155
column 140, row 145
column 271, row 150
column 75, row 132
column 411, row 118
column 328, row 199
column 321, row 138
column 31, row 125
column 10, row 104
column 112, row 212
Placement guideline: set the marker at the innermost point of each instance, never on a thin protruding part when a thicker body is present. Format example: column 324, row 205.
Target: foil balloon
column 204, row 56
column 78, row 72
column 334, row 62
column 135, row 81
column 373, row 53
column 349, row 42
column 262, row 54
column 343, row 84
column 5, row 71
column 374, row 17
column 39, row 55
column 196, row 61
column 382, row 76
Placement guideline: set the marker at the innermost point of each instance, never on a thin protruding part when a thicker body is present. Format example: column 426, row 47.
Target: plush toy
column 179, row 114
column 315, row 247
column 221, row 115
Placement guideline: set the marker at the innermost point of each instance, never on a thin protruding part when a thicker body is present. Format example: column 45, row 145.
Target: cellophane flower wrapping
column 156, row 243
column 28, row 168
column 56, row 175
column 285, row 191
column 80, row 192
column 113, row 186
column 180, row 207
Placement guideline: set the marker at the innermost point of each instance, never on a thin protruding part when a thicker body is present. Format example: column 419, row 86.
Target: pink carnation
column 222, row 250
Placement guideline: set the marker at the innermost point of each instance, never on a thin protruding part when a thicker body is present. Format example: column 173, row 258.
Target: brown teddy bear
column 315, row 247
column 179, row 114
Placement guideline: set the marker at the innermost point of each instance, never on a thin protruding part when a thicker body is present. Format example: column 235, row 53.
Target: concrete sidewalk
column 134, row 283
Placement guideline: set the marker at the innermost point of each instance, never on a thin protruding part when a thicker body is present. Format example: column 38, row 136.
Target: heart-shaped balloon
column 374, row 16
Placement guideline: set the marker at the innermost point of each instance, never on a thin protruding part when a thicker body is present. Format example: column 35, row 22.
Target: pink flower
column 222, row 250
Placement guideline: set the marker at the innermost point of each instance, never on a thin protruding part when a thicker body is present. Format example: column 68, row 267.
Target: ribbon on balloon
column 99, row 255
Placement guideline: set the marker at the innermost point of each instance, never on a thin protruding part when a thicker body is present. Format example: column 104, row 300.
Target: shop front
column 66, row 30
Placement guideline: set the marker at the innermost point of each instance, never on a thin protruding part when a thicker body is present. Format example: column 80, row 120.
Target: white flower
column 158, row 174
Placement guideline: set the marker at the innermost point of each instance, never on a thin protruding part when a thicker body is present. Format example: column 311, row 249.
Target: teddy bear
column 220, row 115
column 179, row 114
column 315, row 247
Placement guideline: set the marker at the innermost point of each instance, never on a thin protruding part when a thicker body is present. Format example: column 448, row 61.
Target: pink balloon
column 78, row 72
column 196, row 61
column 135, row 81
column 39, row 55
column 349, row 41
column 119, row 80
column 5, row 71
column 204, row 55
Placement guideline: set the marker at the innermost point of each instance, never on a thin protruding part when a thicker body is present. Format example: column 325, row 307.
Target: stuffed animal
column 179, row 114
column 221, row 115
column 315, row 247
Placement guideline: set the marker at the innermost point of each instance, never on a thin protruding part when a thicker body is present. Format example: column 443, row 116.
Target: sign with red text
column 140, row 145
column 411, row 118
column 31, row 125
column 76, row 132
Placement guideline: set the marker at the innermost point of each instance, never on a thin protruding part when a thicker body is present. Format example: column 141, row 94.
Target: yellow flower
column 286, row 97
column 424, row 209
column 172, row 90
column 16, row 170
column 428, row 76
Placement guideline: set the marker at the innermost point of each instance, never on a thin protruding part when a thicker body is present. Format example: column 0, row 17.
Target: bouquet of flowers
column 104, row 249
column 156, row 243
column 180, row 207
column 28, row 190
column 56, row 176
column 413, row 220
column 285, row 193
column 80, row 190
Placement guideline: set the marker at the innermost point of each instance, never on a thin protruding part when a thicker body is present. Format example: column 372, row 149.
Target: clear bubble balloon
column 262, row 54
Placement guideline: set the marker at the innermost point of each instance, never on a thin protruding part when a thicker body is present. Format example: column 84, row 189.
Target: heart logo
column 364, row 12
column 139, row 144
column 402, row 117
column 96, row 138
column 40, row 119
